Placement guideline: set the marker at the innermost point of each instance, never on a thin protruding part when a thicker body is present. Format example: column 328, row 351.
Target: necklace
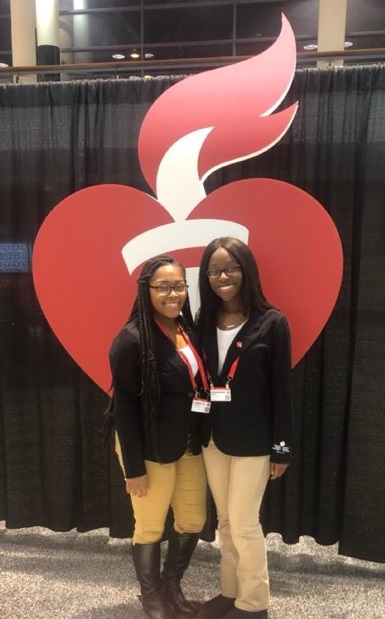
column 227, row 327
column 237, row 319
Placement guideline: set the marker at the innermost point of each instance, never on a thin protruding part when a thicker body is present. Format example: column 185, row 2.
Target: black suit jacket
column 176, row 425
column 258, row 420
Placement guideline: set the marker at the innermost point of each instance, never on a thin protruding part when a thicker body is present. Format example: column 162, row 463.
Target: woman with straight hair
column 159, row 387
column 246, row 436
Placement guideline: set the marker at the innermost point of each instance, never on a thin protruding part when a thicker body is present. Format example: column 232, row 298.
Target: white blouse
column 188, row 353
column 224, row 339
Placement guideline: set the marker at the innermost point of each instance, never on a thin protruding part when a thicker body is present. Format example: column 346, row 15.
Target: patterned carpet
column 90, row 576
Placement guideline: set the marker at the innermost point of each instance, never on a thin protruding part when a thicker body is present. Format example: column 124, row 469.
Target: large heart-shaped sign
column 88, row 250
column 86, row 290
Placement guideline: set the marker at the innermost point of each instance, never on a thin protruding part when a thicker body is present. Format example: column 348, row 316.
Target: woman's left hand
column 277, row 470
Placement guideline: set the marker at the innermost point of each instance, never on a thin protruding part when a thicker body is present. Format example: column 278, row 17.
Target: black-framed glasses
column 229, row 270
column 163, row 290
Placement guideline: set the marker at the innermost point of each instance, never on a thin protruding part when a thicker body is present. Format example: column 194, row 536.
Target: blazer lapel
column 244, row 338
column 210, row 349
column 168, row 353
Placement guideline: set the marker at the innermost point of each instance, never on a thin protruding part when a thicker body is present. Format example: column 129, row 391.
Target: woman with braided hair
column 159, row 389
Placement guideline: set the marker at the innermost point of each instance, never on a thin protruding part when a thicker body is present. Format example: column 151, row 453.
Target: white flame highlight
column 178, row 186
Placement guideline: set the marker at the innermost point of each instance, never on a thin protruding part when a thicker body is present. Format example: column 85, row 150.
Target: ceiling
column 167, row 35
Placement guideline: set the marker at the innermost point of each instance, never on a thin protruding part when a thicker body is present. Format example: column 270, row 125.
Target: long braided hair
column 142, row 315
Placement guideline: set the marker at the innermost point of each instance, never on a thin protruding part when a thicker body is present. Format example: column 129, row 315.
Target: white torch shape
column 180, row 190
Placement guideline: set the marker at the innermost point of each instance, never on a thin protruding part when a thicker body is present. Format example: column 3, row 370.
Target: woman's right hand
column 137, row 486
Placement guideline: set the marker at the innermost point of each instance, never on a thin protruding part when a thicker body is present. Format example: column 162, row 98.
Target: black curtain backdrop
column 56, row 138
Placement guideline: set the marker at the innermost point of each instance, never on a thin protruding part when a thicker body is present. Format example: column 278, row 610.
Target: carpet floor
column 47, row 575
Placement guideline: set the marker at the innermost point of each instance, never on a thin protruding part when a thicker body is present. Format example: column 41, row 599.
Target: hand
column 137, row 486
column 277, row 470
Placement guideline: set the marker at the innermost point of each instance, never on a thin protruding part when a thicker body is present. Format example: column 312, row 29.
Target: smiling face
column 167, row 307
column 227, row 286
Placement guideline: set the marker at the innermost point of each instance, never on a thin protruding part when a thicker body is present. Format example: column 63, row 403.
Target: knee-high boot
column 180, row 549
column 147, row 566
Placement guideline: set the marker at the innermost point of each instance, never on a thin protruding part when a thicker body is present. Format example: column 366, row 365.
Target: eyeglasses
column 230, row 270
column 163, row 290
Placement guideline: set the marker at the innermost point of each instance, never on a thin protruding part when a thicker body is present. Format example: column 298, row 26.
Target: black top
column 258, row 420
column 176, row 425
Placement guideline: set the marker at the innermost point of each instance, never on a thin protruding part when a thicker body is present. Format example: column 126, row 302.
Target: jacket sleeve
column 281, row 391
column 126, row 378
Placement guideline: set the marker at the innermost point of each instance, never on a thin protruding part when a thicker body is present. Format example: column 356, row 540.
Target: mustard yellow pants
column 181, row 484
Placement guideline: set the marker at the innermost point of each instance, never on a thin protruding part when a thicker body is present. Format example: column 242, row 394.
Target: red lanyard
column 199, row 361
column 230, row 375
column 233, row 369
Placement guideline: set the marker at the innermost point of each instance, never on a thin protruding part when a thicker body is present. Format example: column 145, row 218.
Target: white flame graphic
column 180, row 187
column 180, row 190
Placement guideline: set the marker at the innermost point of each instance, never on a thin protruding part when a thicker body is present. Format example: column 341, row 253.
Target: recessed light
column 118, row 56
column 348, row 44
column 134, row 55
column 148, row 56
column 310, row 47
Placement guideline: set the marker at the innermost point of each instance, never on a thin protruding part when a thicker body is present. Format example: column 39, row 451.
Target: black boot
column 216, row 608
column 147, row 566
column 180, row 549
column 237, row 613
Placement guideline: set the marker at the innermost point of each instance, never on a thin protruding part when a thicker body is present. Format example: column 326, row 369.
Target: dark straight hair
column 142, row 315
column 252, row 297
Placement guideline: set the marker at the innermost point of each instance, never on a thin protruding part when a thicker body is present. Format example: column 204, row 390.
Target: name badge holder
column 220, row 394
column 223, row 394
column 200, row 405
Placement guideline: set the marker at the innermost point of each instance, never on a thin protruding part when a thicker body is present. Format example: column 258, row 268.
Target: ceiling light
column 134, row 54
column 118, row 56
column 310, row 47
column 148, row 56
column 348, row 44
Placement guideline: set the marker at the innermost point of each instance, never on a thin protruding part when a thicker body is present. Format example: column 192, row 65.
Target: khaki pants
column 181, row 484
column 238, row 485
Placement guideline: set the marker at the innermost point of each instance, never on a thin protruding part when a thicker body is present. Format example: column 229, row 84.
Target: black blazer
column 258, row 420
column 176, row 425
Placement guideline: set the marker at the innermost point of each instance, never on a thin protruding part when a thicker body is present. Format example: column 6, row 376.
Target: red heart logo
column 86, row 290
column 89, row 248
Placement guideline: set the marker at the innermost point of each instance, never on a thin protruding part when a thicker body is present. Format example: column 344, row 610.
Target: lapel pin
column 239, row 344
